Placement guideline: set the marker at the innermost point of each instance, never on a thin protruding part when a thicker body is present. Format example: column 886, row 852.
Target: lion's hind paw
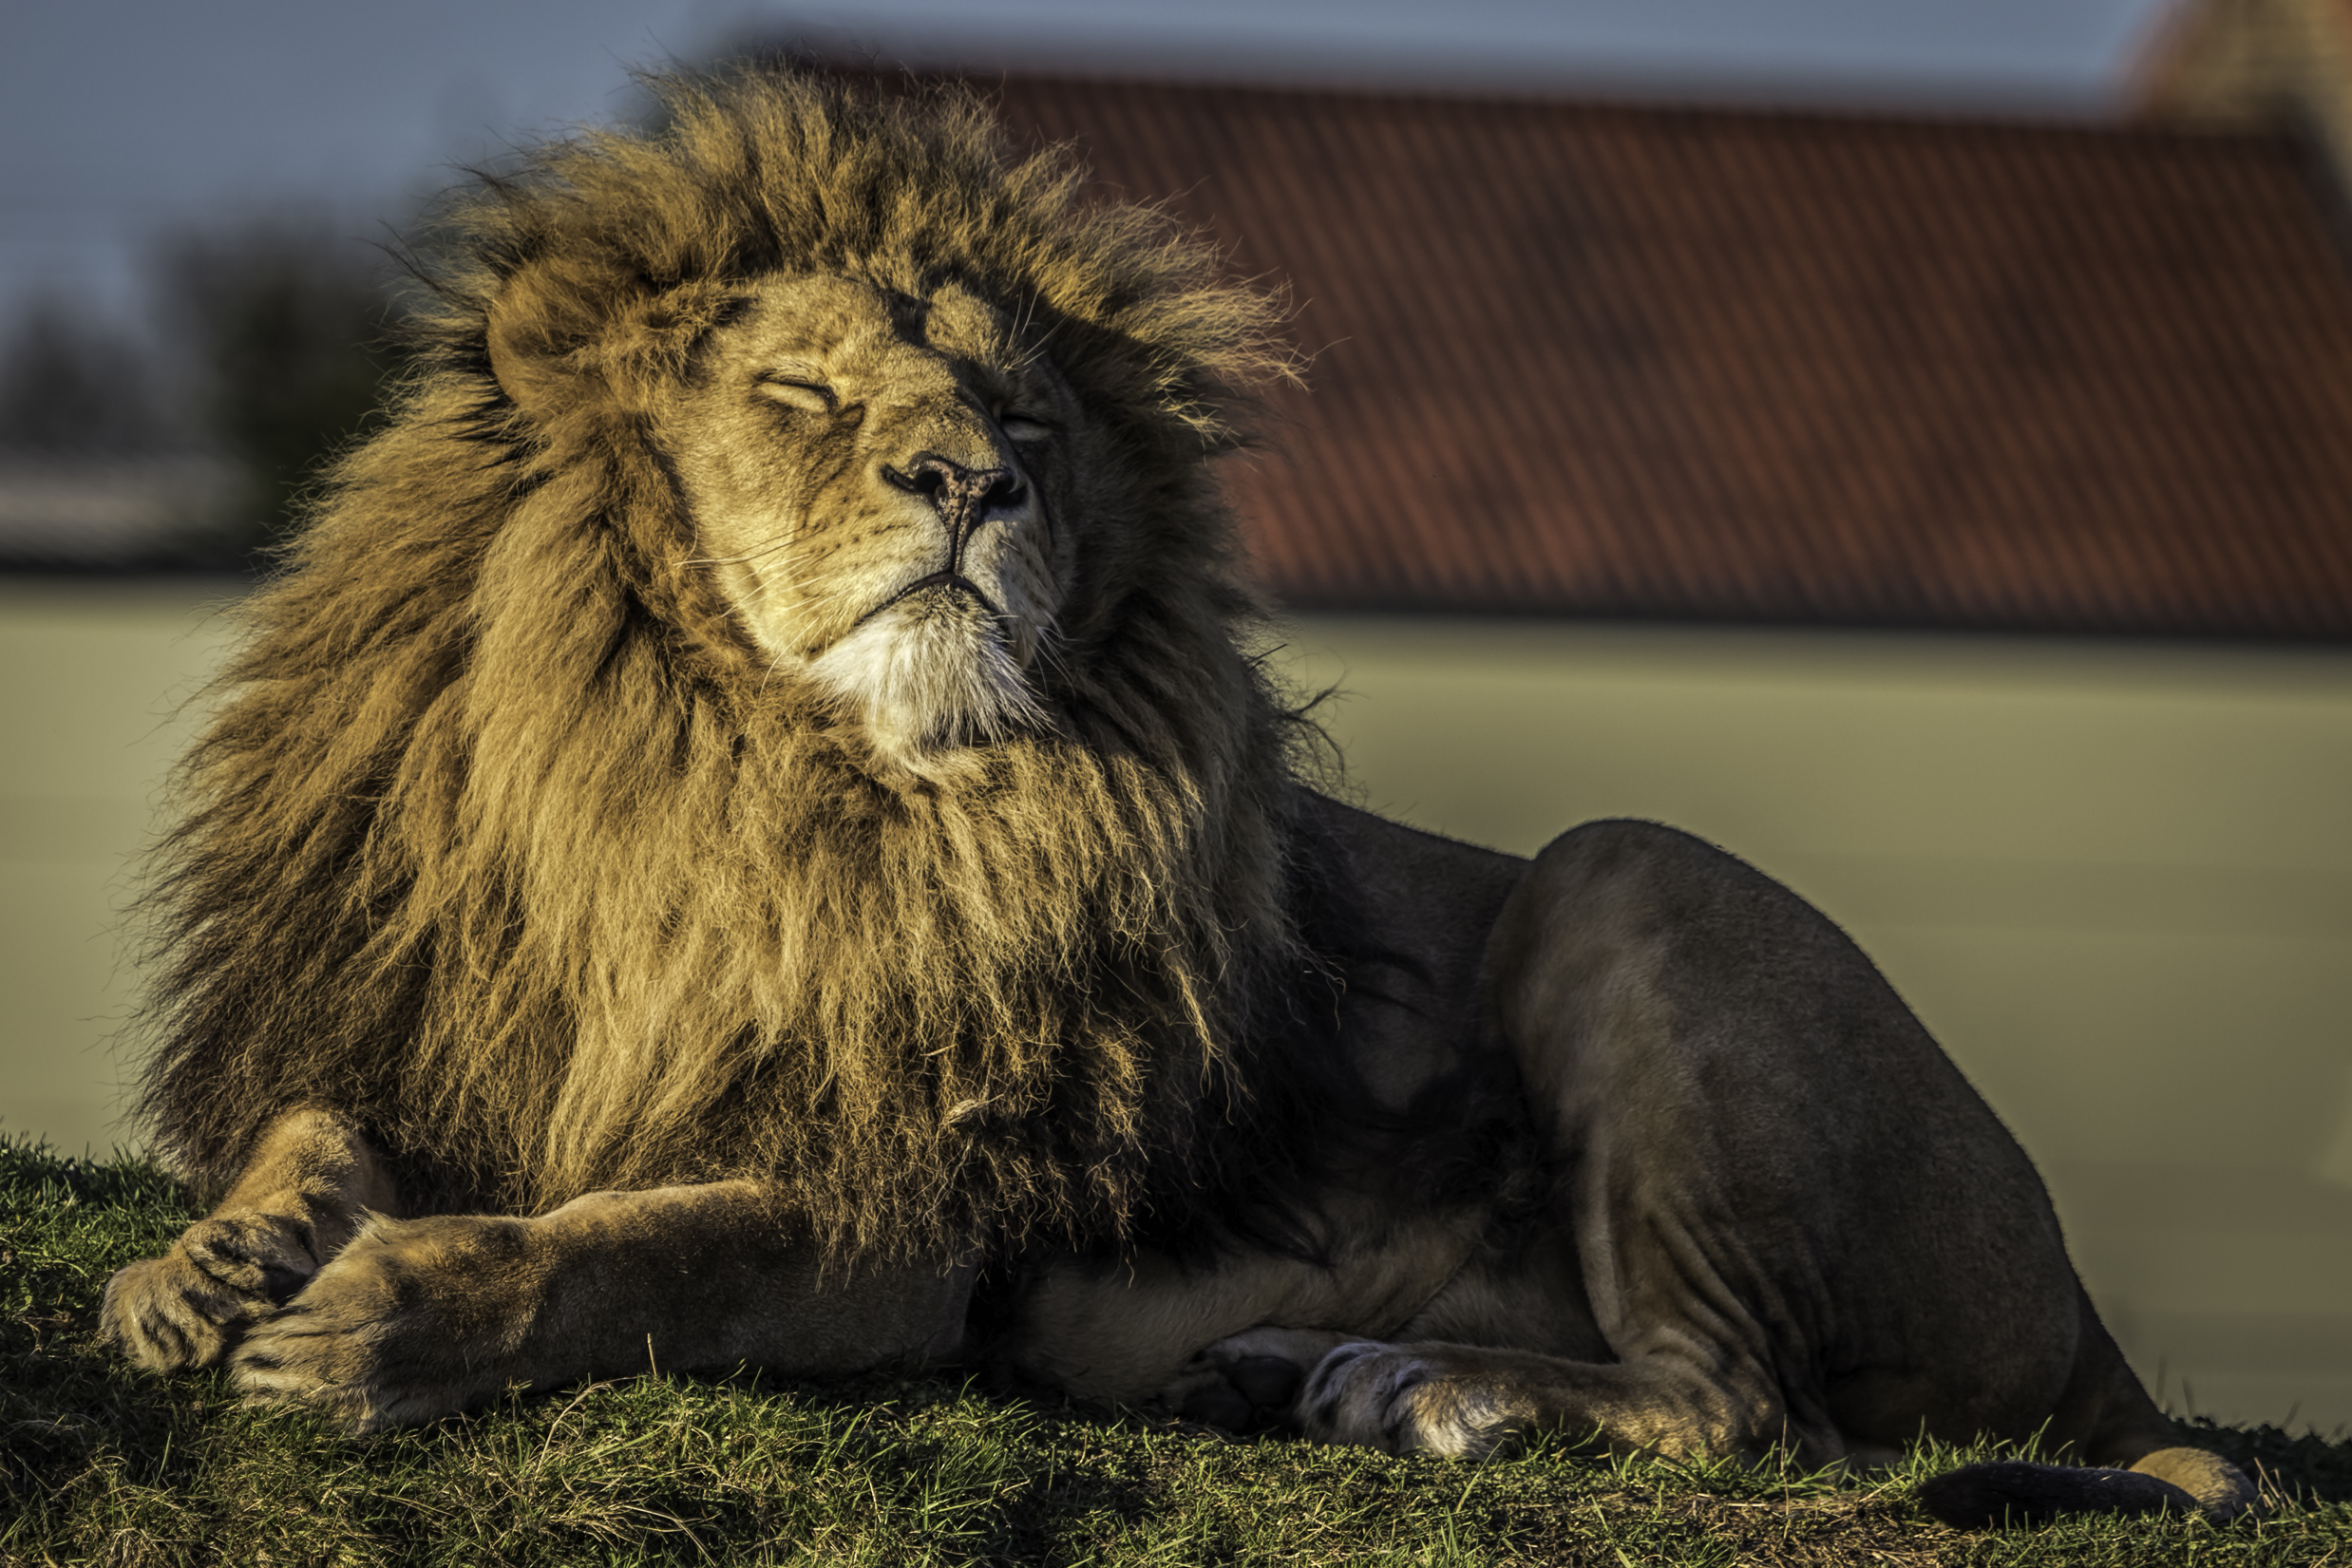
column 189, row 1307
column 1401, row 1397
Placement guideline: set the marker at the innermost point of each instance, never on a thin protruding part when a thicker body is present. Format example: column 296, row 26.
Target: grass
column 100, row 1464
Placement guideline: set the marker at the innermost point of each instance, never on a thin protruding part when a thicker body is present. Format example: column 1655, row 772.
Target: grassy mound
column 103, row 1464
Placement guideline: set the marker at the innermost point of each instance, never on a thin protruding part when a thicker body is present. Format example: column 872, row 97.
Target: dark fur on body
column 504, row 844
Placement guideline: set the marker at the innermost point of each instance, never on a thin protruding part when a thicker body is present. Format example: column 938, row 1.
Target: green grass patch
column 100, row 1464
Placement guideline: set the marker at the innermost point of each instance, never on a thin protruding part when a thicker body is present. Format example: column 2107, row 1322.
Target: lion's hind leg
column 311, row 1177
column 1470, row 1401
column 1450, row 1400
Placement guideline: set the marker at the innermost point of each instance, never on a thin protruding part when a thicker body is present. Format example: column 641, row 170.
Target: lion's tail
column 2019, row 1492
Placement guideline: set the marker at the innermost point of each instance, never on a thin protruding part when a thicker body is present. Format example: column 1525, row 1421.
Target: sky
column 120, row 118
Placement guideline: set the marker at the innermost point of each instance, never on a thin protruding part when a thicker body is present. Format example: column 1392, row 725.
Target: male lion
column 745, row 832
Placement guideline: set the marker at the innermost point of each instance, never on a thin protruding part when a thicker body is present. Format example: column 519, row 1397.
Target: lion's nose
column 965, row 498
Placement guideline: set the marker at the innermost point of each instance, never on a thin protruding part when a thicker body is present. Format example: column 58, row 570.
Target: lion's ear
column 563, row 332
column 549, row 331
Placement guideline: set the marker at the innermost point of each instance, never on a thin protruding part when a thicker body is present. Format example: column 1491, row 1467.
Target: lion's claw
column 189, row 1307
column 258, row 1254
column 302, row 1356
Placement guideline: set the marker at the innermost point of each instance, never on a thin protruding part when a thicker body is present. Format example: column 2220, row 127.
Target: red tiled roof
column 1757, row 367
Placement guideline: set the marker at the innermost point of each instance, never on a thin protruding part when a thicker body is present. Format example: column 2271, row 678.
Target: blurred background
column 1906, row 441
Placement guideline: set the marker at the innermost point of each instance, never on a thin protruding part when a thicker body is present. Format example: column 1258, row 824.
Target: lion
column 749, row 828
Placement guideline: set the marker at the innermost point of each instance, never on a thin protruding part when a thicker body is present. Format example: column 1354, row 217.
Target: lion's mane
column 503, row 840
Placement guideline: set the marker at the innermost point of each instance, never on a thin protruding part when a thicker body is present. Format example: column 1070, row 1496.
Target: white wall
column 91, row 674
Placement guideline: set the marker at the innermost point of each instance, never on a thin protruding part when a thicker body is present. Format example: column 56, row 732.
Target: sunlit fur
column 507, row 841
column 813, row 540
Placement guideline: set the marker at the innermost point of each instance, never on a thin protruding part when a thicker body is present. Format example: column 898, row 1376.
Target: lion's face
column 873, row 478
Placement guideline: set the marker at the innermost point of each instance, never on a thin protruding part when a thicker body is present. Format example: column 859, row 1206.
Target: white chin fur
column 921, row 682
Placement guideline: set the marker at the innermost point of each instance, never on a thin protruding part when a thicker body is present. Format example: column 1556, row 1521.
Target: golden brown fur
column 506, row 844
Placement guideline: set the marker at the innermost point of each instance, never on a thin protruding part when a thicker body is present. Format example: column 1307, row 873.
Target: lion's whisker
column 784, row 542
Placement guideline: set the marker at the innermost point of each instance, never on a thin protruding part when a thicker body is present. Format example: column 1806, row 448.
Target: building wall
column 92, row 676
column 2116, row 880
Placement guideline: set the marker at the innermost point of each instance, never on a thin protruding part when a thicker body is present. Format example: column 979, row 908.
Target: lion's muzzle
column 965, row 501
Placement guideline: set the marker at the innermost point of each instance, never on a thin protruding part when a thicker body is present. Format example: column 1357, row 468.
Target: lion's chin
column 928, row 685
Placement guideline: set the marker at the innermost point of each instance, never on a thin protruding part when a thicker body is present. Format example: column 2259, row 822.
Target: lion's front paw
column 413, row 1321
column 1398, row 1398
column 1247, row 1382
column 188, row 1307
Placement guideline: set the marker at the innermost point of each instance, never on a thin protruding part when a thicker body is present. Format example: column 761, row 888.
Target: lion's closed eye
column 800, row 389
